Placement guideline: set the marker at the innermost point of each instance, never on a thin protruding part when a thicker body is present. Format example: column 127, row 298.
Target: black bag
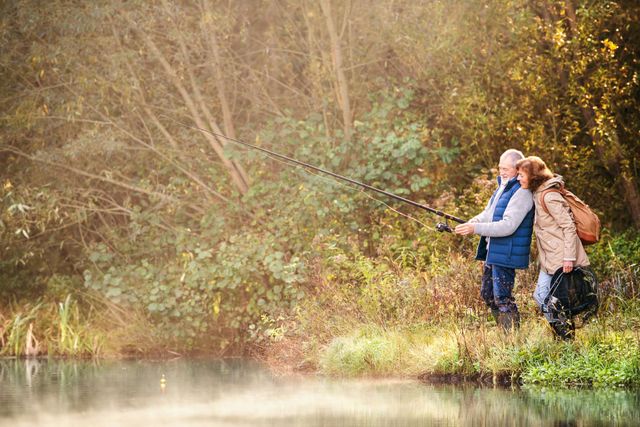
column 573, row 293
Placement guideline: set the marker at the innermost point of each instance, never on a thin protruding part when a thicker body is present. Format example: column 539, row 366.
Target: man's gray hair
column 512, row 155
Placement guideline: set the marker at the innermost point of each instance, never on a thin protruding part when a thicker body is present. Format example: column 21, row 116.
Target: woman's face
column 523, row 178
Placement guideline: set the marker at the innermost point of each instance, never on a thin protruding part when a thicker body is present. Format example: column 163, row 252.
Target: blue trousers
column 542, row 290
column 497, row 286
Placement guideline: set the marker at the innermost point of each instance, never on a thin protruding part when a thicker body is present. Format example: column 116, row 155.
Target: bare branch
column 217, row 146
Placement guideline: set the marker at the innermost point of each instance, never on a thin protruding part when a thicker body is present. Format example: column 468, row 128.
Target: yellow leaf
column 8, row 185
column 216, row 305
column 610, row 45
column 559, row 37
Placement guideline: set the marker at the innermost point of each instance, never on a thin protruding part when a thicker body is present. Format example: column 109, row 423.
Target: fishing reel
column 443, row 226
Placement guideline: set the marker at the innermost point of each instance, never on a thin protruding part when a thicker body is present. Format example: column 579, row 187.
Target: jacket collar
column 556, row 181
column 510, row 183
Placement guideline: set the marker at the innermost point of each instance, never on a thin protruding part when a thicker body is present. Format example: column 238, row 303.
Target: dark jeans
column 497, row 285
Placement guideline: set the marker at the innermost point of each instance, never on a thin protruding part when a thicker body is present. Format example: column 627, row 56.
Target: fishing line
column 359, row 190
column 439, row 227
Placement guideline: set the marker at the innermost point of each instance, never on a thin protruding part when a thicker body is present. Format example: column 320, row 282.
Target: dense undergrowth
column 405, row 311
column 432, row 323
column 325, row 278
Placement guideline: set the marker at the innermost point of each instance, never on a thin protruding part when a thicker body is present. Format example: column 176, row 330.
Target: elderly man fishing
column 505, row 225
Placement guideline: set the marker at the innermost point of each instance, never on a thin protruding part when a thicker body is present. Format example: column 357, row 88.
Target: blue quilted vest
column 509, row 251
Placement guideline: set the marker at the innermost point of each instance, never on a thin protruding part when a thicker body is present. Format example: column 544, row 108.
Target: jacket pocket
column 551, row 247
column 553, row 242
column 548, row 243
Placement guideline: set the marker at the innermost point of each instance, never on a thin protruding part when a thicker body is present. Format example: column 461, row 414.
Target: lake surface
column 241, row 393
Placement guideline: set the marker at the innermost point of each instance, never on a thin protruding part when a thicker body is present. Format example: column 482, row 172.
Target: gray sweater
column 519, row 205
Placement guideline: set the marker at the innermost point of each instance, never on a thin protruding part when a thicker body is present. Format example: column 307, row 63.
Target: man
column 505, row 225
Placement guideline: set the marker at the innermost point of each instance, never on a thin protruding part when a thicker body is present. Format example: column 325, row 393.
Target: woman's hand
column 567, row 266
column 464, row 229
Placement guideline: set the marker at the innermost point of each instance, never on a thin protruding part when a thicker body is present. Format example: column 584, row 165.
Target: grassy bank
column 385, row 317
column 598, row 357
column 404, row 312
column 606, row 351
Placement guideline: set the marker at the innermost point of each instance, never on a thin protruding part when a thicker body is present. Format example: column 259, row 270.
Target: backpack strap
column 559, row 190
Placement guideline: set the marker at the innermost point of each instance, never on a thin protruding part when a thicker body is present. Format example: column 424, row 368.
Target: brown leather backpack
column 587, row 222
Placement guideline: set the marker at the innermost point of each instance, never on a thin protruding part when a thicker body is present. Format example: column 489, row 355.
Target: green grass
column 612, row 359
column 377, row 316
column 597, row 357
column 16, row 330
column 367, row 351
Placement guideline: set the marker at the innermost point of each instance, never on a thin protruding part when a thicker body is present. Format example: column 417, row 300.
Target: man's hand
column 567, row 266
column 465, row 229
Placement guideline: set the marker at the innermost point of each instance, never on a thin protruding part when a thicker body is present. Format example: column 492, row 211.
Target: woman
column 556, row 237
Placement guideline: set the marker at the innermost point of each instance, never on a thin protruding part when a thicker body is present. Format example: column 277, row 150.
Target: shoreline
column 503, row 379
column 465, row 350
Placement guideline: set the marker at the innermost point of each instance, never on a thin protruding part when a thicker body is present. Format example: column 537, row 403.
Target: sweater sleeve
column 519, row 205
column 559, row 210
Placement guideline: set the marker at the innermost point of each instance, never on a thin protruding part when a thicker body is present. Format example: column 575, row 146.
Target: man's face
column 507, row 170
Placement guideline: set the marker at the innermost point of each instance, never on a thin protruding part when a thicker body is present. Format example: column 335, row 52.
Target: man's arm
column 485, row 216
column 519, row 205
column 467, row 228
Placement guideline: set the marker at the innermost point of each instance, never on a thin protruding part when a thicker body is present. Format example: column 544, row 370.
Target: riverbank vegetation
column 123, row 232
column 434, row 325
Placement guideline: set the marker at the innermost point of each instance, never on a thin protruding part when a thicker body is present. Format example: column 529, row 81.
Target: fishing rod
column 441, row 226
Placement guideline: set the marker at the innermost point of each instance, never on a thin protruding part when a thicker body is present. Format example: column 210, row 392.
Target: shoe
column 509, row 321
column 496, row 315
column 563, row 330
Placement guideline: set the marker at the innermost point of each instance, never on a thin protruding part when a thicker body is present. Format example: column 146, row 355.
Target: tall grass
column 529, row 355
column 67, row 328
column 15, row 330
column 380, row 316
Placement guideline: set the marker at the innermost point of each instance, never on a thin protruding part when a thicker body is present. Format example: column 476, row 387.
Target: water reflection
column 238, row 393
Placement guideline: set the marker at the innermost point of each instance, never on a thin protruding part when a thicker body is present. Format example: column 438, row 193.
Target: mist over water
column 242, row 393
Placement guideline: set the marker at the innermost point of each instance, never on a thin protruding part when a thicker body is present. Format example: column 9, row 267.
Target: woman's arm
column 559, row 209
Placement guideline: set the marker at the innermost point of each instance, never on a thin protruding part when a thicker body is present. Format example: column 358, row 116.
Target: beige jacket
column 555, row 231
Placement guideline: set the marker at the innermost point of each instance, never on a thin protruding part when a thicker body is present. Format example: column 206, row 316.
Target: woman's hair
column 536, row 170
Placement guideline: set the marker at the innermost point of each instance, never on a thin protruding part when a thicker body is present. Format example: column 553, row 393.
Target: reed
column 87, row 327
column 15, row 331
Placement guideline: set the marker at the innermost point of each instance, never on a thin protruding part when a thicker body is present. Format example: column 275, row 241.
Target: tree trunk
column 572, row 19
column 197, row 93
column 215, row 143
column 216, row 67
column 612, row 156
column 610, row 152
column 341, row 80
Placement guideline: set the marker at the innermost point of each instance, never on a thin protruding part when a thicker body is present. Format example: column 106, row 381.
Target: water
column 241, row 393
